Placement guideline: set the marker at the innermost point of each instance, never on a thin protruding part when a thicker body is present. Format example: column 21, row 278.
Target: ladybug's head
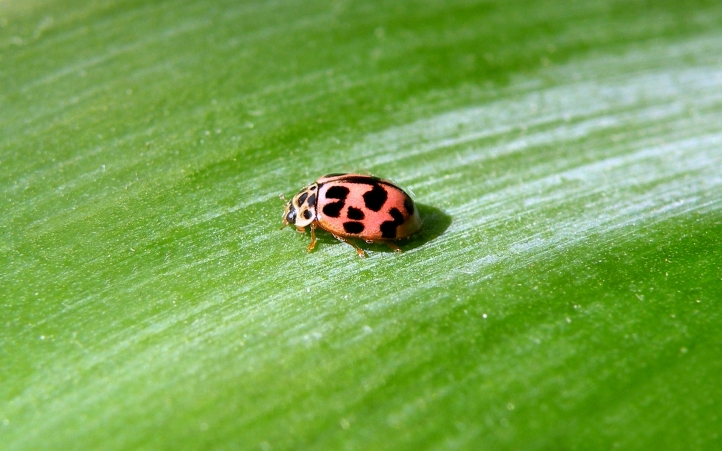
column 289, row 214
column 301, row 210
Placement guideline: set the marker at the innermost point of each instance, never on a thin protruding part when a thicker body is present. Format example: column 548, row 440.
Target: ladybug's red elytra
column 354, row 206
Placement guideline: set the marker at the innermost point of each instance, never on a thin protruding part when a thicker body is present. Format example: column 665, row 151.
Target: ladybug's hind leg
column 394, row 247
column 360, row 251
column 391, row 245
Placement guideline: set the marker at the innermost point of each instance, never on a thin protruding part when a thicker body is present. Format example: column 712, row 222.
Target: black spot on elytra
column 362, row 179
column 333, row 210
column 337, row 192
column 313, row 188
column 396, row 214
column 355, row 213
column 335, row 174
column 388, row 228
column 376, row 198
column 353, row 227
column 408, row 205
column 312, row 200
column 306, row 214
column 302, row 198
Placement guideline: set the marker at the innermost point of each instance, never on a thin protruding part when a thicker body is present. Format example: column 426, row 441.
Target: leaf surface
column 563, row 293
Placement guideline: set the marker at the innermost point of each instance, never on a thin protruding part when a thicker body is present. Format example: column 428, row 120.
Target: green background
column 564, row 292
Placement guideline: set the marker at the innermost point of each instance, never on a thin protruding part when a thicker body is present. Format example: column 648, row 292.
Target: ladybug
column 354, row 206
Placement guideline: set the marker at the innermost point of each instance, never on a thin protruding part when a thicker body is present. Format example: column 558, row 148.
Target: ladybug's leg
column 313, row 237
column 360, row 251
column 393, row 246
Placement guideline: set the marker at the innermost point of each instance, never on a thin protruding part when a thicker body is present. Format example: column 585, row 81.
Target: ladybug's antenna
column 285, row 223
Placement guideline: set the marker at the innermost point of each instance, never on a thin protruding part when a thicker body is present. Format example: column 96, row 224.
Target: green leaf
column 563, row 293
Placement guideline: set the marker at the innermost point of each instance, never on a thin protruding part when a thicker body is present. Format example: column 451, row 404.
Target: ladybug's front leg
column 313, row 237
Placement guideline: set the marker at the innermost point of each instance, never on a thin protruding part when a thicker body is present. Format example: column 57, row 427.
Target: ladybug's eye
column 291, row 216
